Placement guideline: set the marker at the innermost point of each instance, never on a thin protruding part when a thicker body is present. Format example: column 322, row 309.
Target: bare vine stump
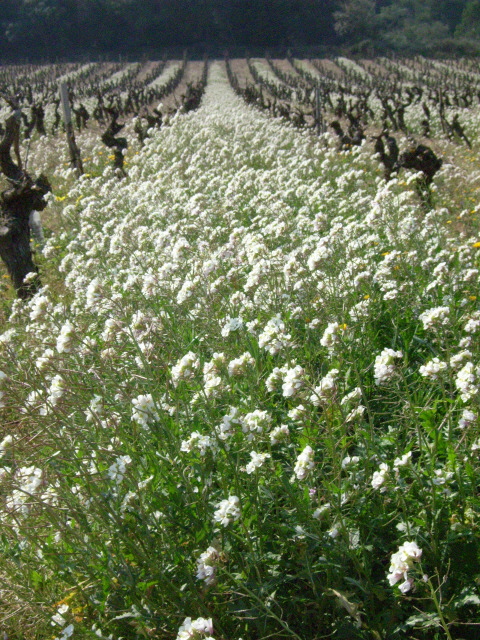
column 17, row 204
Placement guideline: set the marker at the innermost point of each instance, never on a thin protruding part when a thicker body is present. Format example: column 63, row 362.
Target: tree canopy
column 64, row 29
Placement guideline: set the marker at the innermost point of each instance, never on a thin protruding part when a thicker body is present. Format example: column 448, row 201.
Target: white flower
column 293, row 381
column 4, row 444
column 403, row 461
column 274, row 379
column 436, row 317
column 326, row 389
column 195, row 629
column 185, row 368
column 207, row 565
column 255, row 423
column 331, row 336
column 257, row 461
column 384, row 367
column 279, row 433
column 401, row 562
column 226, row 429
column 117, row 470
column 321, row 511
column 56, row 390
column 274, row 338
column 355, row 413
column 241, row 364
column 432, row 369
column 353, row 395
column 200, row 442
column 66, row 633
column 58, row 617
column 441, row 477
column 349, row 461
column 231, row 324
column 466, row 381
column 457, row 359
column 468, row 418
column 64, row 338
column 379, row 477
column 143, row 410
column 39, row 306
column 297, row 413
column 473, row 324
column 227, row 511
column 42, row 361
column 304, row 463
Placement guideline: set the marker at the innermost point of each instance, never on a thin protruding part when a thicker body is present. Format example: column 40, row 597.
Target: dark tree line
column 64, row 29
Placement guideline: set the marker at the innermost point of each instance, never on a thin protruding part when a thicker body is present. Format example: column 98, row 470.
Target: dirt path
column 145, row 70
column 193, row 73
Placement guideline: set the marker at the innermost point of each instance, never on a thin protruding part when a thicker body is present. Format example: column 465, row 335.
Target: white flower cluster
column 199, row 629
column 240, row 365
column 274, row 337
column 227, row 427
column 117, row 470
column 255, row 423
column 257, row 460
column 227, row 511
column 231, row 324
column 144, row 411
column 468, row 418
column 5, row 444
column 304, row 463
column 400, row 564
column 27, row 481
column 379, row 477
column 56, row 390
column 207, row 564
column 436, row 317
column 275, row 378
column 473, row 323
column 64, row 338
column 212, row 381
column 326, row 390
column 331, row 335
column 185, row 368
column 200, row 442
column 433, row 368
column 384, row 367
column 279, row 434
column 467, row 381
column 293, row 381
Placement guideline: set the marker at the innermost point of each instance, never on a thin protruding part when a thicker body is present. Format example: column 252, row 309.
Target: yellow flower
column 60, row 198
column 476, row 245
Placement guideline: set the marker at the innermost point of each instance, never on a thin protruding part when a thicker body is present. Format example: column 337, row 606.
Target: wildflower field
column 244, row 403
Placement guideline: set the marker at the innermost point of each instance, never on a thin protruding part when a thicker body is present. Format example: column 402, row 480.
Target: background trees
column 51, row 29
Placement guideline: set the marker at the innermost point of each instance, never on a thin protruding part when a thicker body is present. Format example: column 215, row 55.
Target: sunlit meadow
column 245, row 403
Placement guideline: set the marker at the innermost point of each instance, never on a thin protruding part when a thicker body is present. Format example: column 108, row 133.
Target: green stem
column 439, row 610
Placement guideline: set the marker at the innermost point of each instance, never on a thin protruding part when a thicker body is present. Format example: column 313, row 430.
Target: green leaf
column 423, row 621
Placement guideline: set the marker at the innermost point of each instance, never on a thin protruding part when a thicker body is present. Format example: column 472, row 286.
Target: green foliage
column 52, row 28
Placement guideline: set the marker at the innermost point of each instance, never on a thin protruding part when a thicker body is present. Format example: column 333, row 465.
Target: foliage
column 63, row 28
column 253, row 399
